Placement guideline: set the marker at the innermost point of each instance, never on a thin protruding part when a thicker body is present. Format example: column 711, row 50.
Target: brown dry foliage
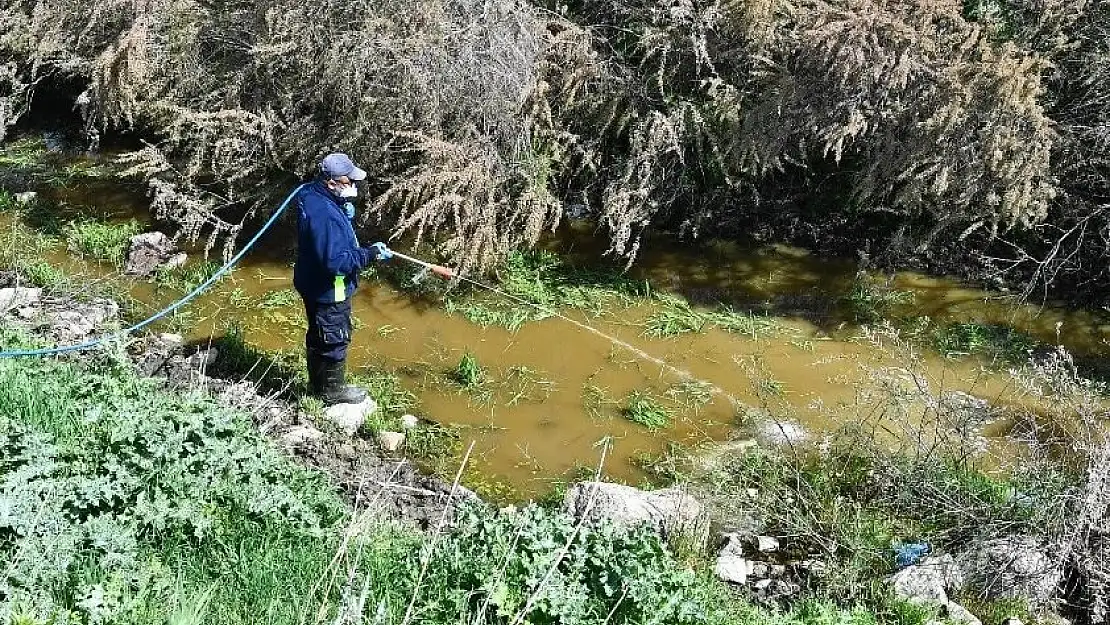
column 983, row 120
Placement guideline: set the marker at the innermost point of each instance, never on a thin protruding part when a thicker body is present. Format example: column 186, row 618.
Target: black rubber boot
column 335, row 388
column 315, row 374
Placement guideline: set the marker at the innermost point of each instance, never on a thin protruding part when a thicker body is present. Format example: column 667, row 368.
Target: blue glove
column 382, row 251
column 349, row 208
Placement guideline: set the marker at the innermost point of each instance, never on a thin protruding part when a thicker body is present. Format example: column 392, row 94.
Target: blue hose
column 178, row 304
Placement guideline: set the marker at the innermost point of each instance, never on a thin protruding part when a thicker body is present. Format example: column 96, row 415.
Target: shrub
column 541, row 565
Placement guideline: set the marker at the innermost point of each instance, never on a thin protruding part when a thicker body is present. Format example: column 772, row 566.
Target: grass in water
column 643, row 409
column 187, row 278
column 995, row 341
column 101, row 240
column 282, row 298
column 469, row 373
column 676, row 317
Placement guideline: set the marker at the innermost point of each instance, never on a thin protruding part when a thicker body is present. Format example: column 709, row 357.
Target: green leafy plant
column 469, row 373
column 643, row 409
column 871, row 300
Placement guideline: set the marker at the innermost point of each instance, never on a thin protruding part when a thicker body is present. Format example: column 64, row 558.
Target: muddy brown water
column 554, row 393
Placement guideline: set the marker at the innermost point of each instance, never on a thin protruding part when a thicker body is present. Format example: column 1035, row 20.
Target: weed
column 997, row 342
column 469, row 373
column 488, row 314
column 282, row 298
column 392, row 397
column 524, row 384
column 643, row 409
column 187, row 278
column 675, row 319
column 691, row 394
column 42, row 274
column 872, row 300
column 101, row 240
column 597, row 401
column 770, row 386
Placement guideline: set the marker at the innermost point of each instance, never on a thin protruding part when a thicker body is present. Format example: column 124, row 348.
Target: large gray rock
column 80, row 320
column 148, row 252
column 673, row 514
column 1011, row 567
column 18, row 297
column 927, row 582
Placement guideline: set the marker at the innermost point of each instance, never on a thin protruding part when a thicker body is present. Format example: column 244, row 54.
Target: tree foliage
column 982, row 121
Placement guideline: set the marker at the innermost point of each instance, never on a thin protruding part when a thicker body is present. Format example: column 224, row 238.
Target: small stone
column 346, row 451
column 752, row 493
column 27, row 312
column 177, row 260
column 18, row 297
column 1013, row 620
column 409, row 421
column 391, row 441
column 170, row 338
column 732, row 569
column 204, row 359
column 350, row 417
column 777, row 570
column 763, row 584
column 299, row 435
column 959, row 614
column 766, row 544
column 26, row 197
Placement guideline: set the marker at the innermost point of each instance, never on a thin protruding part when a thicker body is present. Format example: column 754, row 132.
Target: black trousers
column 329, row 329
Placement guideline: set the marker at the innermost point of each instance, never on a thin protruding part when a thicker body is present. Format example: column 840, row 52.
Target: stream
column 553, row 395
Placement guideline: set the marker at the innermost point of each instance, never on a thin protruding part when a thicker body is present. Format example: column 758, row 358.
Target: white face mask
column 349, row 191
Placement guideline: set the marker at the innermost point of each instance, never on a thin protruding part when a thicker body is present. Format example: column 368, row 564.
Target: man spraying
column 329, row 259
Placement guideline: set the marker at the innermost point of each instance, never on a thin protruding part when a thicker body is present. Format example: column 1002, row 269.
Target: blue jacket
column 329, row 257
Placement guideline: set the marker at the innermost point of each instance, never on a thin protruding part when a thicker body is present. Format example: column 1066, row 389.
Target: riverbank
column 137, row 499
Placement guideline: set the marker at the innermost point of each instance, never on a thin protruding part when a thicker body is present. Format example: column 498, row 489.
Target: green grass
column 997, row 342
column 42, row 274
column 871, row 299
column 674, row 317
column 469, row 373
column 643, row 409
column 101, row 240
column 282, row 298
column 187, row 278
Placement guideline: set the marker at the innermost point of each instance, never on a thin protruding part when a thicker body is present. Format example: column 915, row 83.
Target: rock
column 205, row 358
column 759, row 570
column 27, row 197
column 177, row 260
column 80, row 320
column 1009, row 568
column 959, row 614
column 673, row 514
column 170, row 339
column 300, row 434
column 1013, row 620
column 732, row 569
column 350, row 417
column 391, row 441
column 409, row 421
column 148, row 252
column 763, row 585
column 780, row 432
column 18, row 297
column 766, row 544
column 927, row 582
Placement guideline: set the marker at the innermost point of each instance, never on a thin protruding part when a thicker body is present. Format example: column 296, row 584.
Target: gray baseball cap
column 337, row 165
